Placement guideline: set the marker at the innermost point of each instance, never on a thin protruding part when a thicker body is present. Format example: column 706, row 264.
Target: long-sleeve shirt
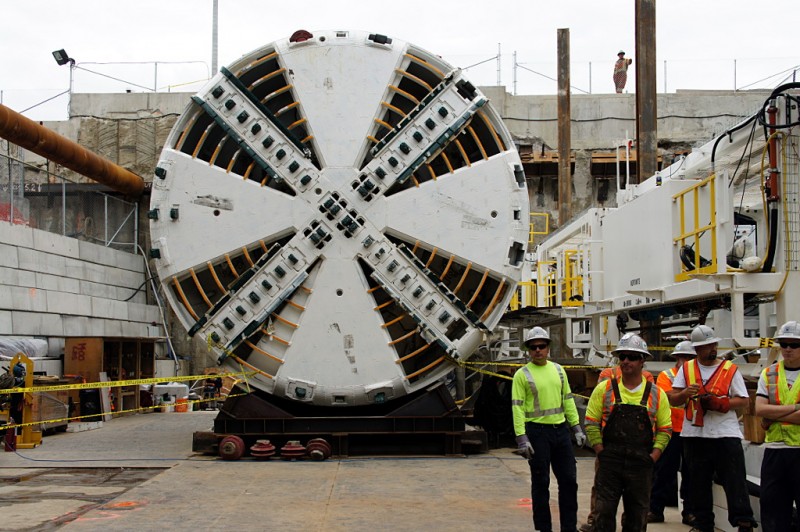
column 552, row 403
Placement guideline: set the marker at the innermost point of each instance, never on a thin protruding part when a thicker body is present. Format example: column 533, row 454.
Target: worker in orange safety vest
column 710, row 389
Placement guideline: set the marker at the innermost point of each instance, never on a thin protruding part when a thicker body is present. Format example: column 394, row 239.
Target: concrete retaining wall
column 54, row 286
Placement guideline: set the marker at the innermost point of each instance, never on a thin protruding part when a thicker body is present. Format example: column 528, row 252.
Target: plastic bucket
column 182, row 404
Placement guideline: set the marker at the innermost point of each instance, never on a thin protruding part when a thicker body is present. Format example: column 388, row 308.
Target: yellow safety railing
column 533, row 232
column 546, row 279
column 524, row 296
column 691, row 232
column 572, row 284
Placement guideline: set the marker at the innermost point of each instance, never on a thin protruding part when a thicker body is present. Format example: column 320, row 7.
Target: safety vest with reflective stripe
column 541, row 394
column 665, row 380
column 653, row 403
column 718, row 384
column 779, row 393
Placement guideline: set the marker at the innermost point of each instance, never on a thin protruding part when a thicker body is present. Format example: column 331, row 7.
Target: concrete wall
column 57, row 287
column 600, row 120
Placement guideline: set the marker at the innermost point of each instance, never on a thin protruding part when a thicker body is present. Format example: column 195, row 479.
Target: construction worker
column 628, row 424
column 621, row 71
column 606, row 373
column 543, row 411
column 778, row 402
column 712, row 441
column 665, row 474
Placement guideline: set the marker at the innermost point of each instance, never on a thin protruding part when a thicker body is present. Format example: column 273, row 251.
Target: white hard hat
column 632, row 342
column 537, row 333
column 789, row 331
column 684, row 348
column 621, row 52
column 703, row 335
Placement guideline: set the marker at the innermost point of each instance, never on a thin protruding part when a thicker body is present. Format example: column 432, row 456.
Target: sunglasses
column 538, row 347
column 787, row 345
column 630, row 356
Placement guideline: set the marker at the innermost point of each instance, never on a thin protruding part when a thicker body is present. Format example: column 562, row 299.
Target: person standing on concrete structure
column 621, row 71
column 778, row 402
column 665, row 474
column 712, row 441
column 543, row 411
column 628, row 424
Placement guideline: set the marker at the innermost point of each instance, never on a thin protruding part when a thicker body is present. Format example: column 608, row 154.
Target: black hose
column 773, row 239
column 759, row 116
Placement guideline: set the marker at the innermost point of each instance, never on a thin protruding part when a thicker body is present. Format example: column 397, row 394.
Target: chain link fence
column 35, row 195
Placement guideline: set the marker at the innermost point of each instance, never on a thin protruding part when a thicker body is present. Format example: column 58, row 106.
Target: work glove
column 580, row 436
column 715, row 403
column 524, row 447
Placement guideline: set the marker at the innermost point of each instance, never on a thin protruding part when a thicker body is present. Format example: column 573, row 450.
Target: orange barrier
column 182, row 404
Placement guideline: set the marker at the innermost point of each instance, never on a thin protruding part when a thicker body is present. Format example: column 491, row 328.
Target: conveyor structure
column 343, row 214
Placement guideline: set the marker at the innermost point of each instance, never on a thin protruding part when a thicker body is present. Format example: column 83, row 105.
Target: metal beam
column 646, row 108
column 564, row 138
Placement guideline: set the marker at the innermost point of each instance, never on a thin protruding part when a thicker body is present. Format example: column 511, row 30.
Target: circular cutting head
column 341, row 213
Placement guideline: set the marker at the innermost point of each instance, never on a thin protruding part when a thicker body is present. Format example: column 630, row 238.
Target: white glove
column 524, row 447
column 580, row 436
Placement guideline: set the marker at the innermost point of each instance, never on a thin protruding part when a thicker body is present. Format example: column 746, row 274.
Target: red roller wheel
column 231, row 448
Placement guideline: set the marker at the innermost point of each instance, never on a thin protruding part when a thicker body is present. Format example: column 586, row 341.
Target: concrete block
column 39, row 261
column 91, row 252
column 111, row 328
column 16, row 235
column 130, row 278
column 123, row 293
column 9, row 276
column 5, row 322
column 109, row 308
column 46, row 281
column 130, row 261
column 135, row 330
column 36, row 324
column 27, row 279
column 75, row 269
column 107, row 291
column 69, row 304
column 28, row 299
column 55, row 243
column 139, row 312
column 76, row 326
column 9, row 256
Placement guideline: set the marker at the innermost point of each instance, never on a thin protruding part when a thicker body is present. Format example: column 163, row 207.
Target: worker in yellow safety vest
column 610, row 372
column 543, row 411
column 778, row 402
column 628, row 424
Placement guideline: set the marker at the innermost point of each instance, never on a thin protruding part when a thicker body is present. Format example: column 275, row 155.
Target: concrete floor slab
column 475, row 493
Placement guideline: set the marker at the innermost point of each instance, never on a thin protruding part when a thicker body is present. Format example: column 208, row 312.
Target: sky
column 166, row 44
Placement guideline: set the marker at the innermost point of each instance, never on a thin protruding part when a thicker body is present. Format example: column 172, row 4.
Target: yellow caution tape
column 118, row 384
column 114, row 412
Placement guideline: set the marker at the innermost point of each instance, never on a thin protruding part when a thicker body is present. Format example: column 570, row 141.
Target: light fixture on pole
column 62, row 58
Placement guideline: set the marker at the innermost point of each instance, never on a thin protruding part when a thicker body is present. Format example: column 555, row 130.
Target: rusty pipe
column 47, row 143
